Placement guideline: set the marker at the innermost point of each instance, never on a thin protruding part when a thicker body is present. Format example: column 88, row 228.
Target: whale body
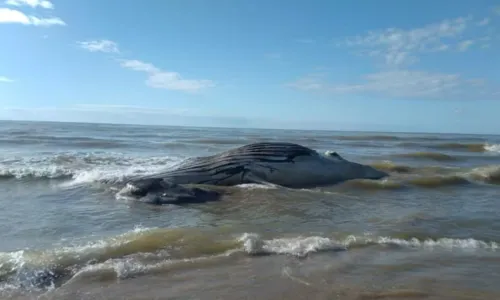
column 277, row 163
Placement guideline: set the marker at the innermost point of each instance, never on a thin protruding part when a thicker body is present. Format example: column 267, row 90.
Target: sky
column 388, row 65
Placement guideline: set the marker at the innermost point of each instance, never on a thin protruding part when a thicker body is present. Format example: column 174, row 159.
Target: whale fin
column 253, row 178
column 160, row 191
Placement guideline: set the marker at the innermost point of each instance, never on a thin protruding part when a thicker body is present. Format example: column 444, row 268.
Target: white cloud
column 46, row 22
column 273, row 55
column 5, row 79
column 312, row 82
column 8, row 15
column 123, row 108
column 464, row 45
column 483, row 22
column 496, row 10
column 403, row 84
column 106, row 108
column 174, row 81
column 485, row 42
column 33, row 3
column 105, row 46
column 305, row 41
column 396, row 46
column 137, row 65
column 123, row 114
column 158, row 78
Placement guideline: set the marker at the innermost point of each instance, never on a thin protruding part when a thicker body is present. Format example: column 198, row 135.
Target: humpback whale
column 277, row 163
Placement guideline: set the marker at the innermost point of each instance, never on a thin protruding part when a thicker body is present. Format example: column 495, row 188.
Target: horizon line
column 251, row 128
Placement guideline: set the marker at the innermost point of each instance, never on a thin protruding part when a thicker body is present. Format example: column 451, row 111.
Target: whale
column 282, row 164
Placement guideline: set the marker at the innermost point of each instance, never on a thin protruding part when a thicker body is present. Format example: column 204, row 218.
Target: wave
column 463, row 147
column 382, row 137
column 427, row 177
column 143, row 250
column 439, row 181
column 436, row 156
column 368, row 138
column 487, row 174
column 470, row 147
column 83, row 167
column 390, row 166
column 216, row 141
column 81, row 142
column 492, row 147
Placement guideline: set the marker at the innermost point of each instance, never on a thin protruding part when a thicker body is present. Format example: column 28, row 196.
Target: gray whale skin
column 281, row 164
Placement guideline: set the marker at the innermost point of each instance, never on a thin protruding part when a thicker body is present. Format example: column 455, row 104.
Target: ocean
column 430, row 230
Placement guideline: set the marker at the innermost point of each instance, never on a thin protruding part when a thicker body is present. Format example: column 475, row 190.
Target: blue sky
column 425, row 66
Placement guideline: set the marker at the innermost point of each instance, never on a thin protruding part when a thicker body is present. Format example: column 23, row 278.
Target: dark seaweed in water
column 429, row 155
column 477, row 147
column 464, row 147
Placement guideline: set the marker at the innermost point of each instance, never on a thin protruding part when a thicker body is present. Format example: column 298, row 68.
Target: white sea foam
column 300, row 246
column 125, row 256
column 79, row 168
column 256, row 186
column 492, row 148
column 488, row 174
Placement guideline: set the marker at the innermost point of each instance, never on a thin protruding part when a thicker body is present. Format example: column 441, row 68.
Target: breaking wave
column 471, row 147
column 427, row 177
column 488, row 174
column 144, row 250
column 461, row 147
column 82, row 167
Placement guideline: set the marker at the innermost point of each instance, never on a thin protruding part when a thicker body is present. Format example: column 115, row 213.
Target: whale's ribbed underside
column 234, row 160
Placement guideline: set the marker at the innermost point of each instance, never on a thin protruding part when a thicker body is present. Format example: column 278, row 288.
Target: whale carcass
column 278, row 163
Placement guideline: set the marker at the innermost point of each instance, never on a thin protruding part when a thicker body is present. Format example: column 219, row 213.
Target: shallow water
column 429, row 231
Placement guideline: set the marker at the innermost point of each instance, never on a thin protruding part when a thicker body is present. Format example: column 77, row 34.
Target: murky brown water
column 430, row 231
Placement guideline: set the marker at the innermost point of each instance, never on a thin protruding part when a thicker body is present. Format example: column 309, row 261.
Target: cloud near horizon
column 124, row 114
column 402, row 84
column 129, row 108
column 156, row 77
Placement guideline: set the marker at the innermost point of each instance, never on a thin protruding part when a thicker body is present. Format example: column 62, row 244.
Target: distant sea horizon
column 251, row 128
